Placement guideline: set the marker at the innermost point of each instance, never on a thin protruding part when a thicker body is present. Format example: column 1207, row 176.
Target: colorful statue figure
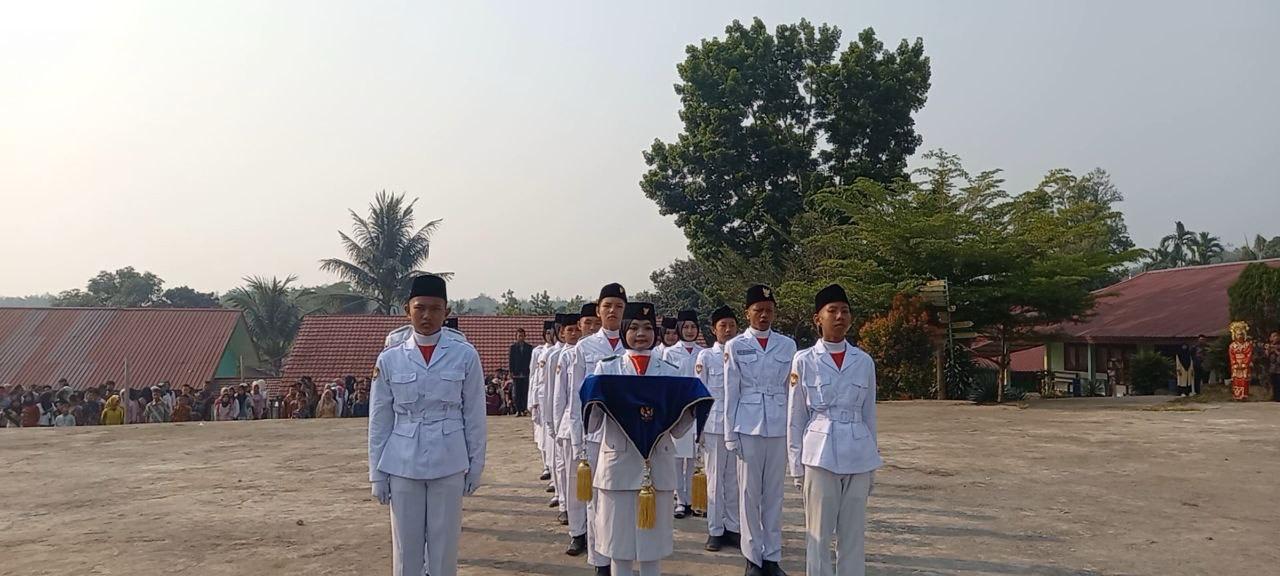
column 1240, row 354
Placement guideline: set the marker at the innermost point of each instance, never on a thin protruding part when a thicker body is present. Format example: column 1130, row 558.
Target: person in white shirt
column 538, row 379
column 64, row 417
column 683, row 354
column 757, row 366
column 569, row 446
column 553, row 408
column 720, row 465
column 427, row 434
column 831, row 439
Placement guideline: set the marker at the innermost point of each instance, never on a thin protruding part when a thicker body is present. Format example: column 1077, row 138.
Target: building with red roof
column 134, row 347
column 1160, row 309
column 330, row 347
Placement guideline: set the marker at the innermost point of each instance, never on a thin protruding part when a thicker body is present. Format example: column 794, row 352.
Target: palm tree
column 1206, row 248
column 384, row 251
column 1178, row 245
column 1158, row 258
column 272, row 312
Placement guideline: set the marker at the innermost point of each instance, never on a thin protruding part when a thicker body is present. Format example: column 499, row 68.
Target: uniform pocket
column 451, row 426
column 406, row 429
column 404, row 388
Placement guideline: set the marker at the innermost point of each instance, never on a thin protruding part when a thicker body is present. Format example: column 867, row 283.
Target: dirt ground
column 1062, row 487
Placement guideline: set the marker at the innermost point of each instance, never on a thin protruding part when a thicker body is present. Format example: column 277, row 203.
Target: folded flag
column 646, row 407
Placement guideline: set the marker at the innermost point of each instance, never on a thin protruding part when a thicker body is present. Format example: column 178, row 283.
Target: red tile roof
column 1172, row 304
column 132, row 346
column 334, row 346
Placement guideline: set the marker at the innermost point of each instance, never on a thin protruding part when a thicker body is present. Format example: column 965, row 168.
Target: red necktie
column 688, row 349
column 427, row 351
column 839, row 359
column 640, row 363
column 613, row 343
column 764, row 342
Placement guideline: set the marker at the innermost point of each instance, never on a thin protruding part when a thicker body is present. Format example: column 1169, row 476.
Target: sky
column 210, row 141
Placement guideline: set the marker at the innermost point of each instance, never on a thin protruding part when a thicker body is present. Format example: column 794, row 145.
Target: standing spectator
column 64, row 417
column 203, row 405
column 340, row 395
column 90, row 409
column 1201, row 352
column 182, row 412
column 47, row 410
column 360, row 405
column 244, row 402
column 5, row 402
column 133, row 406
column 113, row 414
column 309, row 396
column 226, row 408
column 77, row 399
column 30, row 411
column 328, row 405
column 259, row 400
column 158, row 410
column 518, row 359
column 1273, row 364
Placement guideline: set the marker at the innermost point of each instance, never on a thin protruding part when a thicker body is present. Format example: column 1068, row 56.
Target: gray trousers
column 835, row 505
column 761, row 472
column 684, row 481
column 632, row 568
column 426, row 522
column 594, row 558
column 721, row 467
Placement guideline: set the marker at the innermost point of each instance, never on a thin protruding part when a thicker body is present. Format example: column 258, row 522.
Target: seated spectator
column 492, row 400
column 328, row 405
column 113, row 414
column 157, row 411
column 64, row 417
column 182, row 412
column 360, row 406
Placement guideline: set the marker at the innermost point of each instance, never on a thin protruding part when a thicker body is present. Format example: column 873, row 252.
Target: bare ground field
column 1056, row 488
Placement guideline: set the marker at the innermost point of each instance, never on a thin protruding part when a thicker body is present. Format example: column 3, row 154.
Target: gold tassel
column 699, row 490
column 584, row 481
column 647, row 510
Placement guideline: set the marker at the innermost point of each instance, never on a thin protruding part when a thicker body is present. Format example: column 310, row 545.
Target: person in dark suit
column 518, row 359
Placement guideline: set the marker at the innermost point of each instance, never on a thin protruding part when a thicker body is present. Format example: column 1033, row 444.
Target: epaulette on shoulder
column 670, row 364
column 610, row 358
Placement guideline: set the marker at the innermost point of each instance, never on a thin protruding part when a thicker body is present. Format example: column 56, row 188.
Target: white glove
column 382, row 491
column 470, row 484
column 732, row 446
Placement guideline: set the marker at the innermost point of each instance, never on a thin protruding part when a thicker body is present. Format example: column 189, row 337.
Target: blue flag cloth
column 646, row 407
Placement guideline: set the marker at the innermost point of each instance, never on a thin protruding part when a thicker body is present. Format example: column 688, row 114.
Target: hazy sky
column 207, row 141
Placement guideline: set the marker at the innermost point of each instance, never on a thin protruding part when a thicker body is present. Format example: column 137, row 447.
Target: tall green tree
column 123, row 288
column 511, row 306
column 1260, row 248
column 385, row 251
column 541, row 304
column 1206, row 248
column 1179, row 245
column 185, row 297
column 1255, row 298
column 273, row 313
column 772, row 118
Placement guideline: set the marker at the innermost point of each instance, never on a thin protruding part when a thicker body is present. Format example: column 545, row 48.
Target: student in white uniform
column 427, row 434
column 537, row 365
column 757, row 369
column 682, row 354
column 569, row 433
column 597, row 346
column 558, row 399
column 546, row 410
column 720, row 465
column 669, row 336
column 831, row 439
column 619, row 473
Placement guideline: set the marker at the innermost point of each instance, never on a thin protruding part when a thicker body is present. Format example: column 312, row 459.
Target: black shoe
column 772, row 568
column 681, row 512
column 733, row 539
column 577, row 546
column 603, row 571
column 714, row 543
column 753, row 570
column 554, row 503
column 562, row 518
column 551, row 489
column 546, row 475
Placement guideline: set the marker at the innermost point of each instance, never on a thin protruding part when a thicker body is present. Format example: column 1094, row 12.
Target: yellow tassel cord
column 647, row 503
column 699, row 490
column 584, row 481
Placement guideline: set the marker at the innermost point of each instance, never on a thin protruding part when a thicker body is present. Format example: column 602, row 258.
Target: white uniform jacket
column 562, row 400
column 620, row 466
column 427, row 422
column 536, row 364
column 547, row 386
column 831, row 423
column 681, row 357
column 589, row 352
column 755, row 388
column 709, row 366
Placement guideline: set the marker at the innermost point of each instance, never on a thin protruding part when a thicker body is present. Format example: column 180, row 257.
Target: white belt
column 838, row 415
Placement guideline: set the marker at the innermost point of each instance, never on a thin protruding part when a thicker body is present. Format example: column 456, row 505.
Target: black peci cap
column 687, row 316
column 588, row 310
column 640, row 311
column 570, row 319
column 759, row 293
column 721, row 313
column 548, row 325
column 614, row 290
column 427, row 285
column 832, row 293
column 668, row 323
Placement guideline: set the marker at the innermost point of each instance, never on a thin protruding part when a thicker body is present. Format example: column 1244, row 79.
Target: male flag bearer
column 721, row 466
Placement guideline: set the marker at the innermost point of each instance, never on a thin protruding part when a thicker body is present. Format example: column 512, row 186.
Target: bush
column 984, row 388
column 899, row 342
column 958, row 373
column 1150, row 371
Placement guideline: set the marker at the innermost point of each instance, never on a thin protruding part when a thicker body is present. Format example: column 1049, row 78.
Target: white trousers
column 721, row 468
column 835, row 505
column 426, row 522
column 594, row 558
column 538, row 438
column 761, row 472
column 632, row 568
column 684, row 481
column 567, row 478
